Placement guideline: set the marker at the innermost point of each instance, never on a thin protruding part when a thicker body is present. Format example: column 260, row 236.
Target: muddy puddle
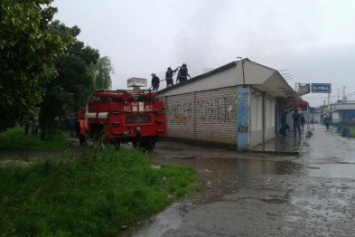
column 221, row 176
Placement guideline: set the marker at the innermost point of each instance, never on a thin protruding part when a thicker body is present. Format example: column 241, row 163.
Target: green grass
column 352, row 131
column 14, row 139
column 92, row 194
column 351, row 128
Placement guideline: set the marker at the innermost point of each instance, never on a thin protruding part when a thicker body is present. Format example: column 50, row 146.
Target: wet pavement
column 289, row 144
column 306, row 193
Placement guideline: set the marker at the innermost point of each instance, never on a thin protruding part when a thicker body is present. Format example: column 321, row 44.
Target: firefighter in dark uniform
column 155, row 82
column 183, row 73
column 169, row 76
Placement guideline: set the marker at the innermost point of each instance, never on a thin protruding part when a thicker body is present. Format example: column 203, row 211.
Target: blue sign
column 321, row 88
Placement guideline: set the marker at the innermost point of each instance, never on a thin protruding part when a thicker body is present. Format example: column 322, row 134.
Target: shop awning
column 293, row 101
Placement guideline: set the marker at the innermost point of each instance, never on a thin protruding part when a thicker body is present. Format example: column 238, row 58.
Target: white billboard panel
column 135, row 81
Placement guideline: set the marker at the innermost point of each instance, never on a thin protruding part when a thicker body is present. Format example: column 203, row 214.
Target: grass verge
column 352, row 131
column 346, row 130
column 14, row 139
column 90, row 195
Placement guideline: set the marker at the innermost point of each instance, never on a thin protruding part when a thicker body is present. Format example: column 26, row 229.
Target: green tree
column 73, row 84
column 102, row 73
column 75, row 75
column 51, row 107
column 29, row 47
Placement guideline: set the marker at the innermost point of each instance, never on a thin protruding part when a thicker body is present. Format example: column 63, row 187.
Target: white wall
column 256, row 117
column 269, row 117
column 336, row 117
column 261, row 119
column 205, row 116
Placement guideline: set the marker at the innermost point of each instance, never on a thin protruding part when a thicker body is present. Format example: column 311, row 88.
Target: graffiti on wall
column 220, row 109
column 180, row 113
column 204, row 109
column 185, row 109
column 179, row 119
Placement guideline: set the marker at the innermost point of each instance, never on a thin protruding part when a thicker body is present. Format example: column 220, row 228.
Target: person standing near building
column 155, row 82
column 296, row 122
column 326, row 121
column 283, row 129
column 183, row 74
column 169, row 76
column 303, row 121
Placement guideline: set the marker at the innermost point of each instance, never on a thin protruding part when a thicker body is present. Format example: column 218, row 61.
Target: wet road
column 263, row 195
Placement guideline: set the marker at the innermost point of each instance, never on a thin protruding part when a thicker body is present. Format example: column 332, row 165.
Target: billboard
column 303, row 89
column 135, row 81
column 321, row 88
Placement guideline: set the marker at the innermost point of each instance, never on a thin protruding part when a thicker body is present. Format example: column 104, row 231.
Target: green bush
column 92, row 194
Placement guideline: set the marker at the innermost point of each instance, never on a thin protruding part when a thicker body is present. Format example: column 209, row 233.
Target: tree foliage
column 80, row 72
column 43, row 66
column 29, row 47
column 69, row 90
column 102, row 73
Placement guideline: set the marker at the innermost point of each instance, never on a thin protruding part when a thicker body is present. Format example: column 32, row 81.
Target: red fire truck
column 123, row 116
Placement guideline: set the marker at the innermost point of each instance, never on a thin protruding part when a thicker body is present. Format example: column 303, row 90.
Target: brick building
column 235, row 106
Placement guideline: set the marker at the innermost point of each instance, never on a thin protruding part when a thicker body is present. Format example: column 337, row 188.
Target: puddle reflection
column 244, row 170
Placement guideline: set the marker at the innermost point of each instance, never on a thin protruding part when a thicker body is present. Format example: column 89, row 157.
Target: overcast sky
column 313, row 39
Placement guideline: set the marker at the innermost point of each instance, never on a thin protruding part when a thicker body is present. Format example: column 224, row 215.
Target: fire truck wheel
column 150, row 146
column 147, row 144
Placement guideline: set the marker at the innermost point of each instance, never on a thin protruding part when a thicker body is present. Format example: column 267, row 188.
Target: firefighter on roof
column 155, row 82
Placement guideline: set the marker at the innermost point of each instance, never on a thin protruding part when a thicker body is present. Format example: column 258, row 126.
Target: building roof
column 236, row 73
column 266, row 79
